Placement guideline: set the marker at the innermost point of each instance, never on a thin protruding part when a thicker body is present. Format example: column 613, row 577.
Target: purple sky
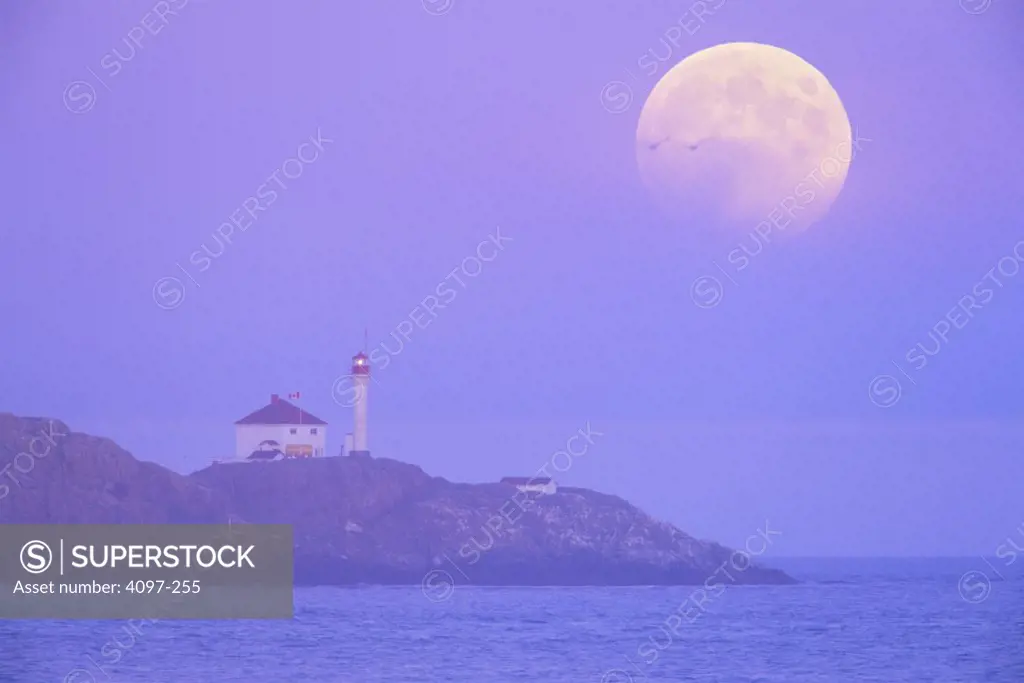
column 447, row 126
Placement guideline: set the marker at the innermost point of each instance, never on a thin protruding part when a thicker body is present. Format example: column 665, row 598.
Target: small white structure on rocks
column 541, row 485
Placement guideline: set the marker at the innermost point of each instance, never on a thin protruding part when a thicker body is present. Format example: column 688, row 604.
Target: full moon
column 741, row 133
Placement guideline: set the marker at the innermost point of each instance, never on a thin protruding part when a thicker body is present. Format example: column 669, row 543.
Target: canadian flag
column 297, row 394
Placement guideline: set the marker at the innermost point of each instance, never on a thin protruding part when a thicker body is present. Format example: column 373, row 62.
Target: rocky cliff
column 364, row 520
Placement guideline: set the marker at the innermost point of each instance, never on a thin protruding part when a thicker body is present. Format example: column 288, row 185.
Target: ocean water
column 889, row 621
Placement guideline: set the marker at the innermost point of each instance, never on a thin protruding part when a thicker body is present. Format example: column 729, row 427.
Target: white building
column 279, row 430
column 542, row 485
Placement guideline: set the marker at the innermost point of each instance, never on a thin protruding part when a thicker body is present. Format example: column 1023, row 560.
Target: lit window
column 312, row 430
column 293, row 430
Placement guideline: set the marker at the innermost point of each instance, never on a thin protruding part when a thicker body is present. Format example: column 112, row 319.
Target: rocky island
column 363, row 519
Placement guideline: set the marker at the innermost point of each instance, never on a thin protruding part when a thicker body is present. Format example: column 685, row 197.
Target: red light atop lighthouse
column 360, row 364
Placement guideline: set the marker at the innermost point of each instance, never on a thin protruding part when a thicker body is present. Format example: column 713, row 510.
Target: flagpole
column 298, row 399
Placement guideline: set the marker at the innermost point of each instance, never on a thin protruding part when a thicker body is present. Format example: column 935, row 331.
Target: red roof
column 280, row 412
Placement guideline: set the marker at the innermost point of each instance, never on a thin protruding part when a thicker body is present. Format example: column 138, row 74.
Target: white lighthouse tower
column 361, row 383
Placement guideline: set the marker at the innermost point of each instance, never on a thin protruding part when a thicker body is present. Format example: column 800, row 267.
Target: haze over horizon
column 431, row 133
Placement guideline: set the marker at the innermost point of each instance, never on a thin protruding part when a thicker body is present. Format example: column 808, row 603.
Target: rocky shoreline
column 367, row 520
